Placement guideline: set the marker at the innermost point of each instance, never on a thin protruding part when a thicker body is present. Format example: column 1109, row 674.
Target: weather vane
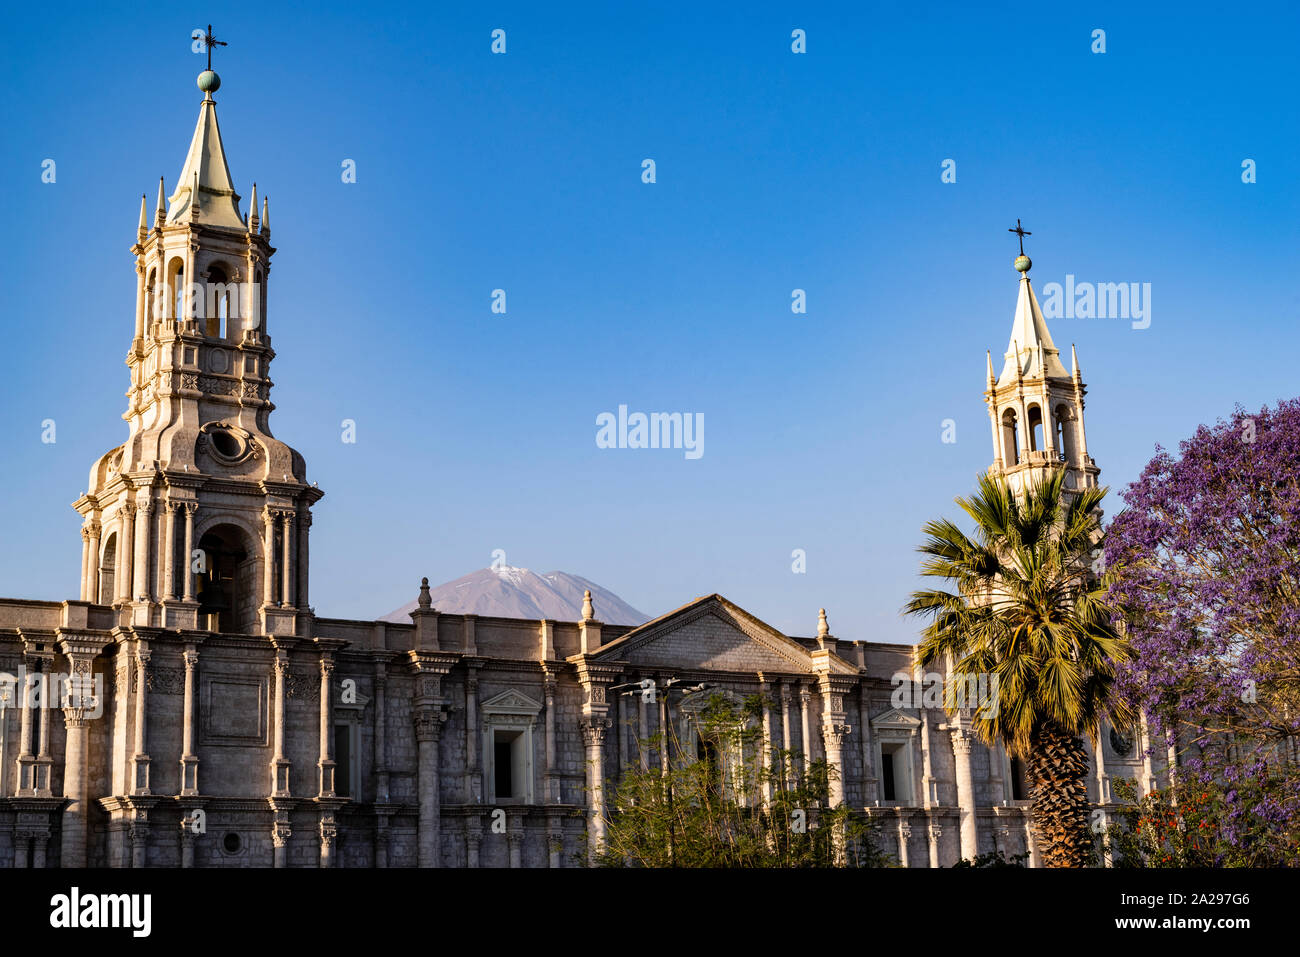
column 1018, row 230
column 211, row 41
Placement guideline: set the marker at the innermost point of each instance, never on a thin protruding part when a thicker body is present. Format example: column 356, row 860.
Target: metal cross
column 210, row 41
column 1022, row 233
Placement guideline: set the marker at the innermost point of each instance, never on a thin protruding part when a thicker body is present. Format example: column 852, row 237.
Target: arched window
column 1064, row 432
column 150, row 305
column 1035, row 416
column 1010, row 438
column 107, row 571
column 217, row 302
column 176, row 284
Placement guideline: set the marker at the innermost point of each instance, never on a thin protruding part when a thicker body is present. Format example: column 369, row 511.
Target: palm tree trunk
column 1058, row 792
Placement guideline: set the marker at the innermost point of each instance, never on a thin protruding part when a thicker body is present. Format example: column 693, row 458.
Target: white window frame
column 510, row 711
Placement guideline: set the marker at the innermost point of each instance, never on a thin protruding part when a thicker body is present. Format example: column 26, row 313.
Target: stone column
column 141, row 757
column 552, row 784
column 643, row 732
column 44, row 760
column 870, row 790
column 554, row 839
column 473, row 785
column 593, row 733
column 40, row 845
column 428, row 733
column 515, row 839
column 190, row 509
column 143, row 588
column 1103, row 779
column 169, row 556
column 764, row 687
column 85, row 563
column 326, row 763
column 329, row 831
column 1148, row 772
column 189, row 760
column 381, row 731
column 92, row 585
column 26, row 760
column 139, row 836
column 280, row 764
column 76, row 720
column 382, row 839
column 935, row 832
column 268, row 558
column 187, row 844
column 304, row 525
column 125, row 553
column 786, row 745
column 1030, row 844
column 961, row 747
column 806, row 750
column 473, row 838
column 904, row 835
column 280, row 834
column 286, row 587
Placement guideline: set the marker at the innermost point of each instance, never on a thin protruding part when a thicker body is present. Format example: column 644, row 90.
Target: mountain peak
column 508, row 591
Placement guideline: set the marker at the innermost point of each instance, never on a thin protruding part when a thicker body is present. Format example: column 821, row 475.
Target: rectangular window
column 343, row 760
column 887, row 776
column 1019, row 792
column 503, row 764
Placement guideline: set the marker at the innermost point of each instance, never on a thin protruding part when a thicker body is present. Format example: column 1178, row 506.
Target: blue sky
column 775, row 171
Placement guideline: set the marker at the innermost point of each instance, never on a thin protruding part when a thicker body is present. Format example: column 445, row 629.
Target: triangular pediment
column 893, row 718
column 712, row 634
column 511, row 702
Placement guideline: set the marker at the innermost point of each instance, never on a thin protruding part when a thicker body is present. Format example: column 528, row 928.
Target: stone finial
column 252, row 210
column 992, row 381
column 144, row 228
column 266, row 215
column 588, row 613
column 161, row 214
column 823, row 629
column 195, row 206
column 425, row 600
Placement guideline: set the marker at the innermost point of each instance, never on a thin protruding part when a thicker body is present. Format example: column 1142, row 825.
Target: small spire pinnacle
column 992, row 381
column 1074, row 362
column 162, row 209
column 823, row 629
column 1015, row 351
column 194, row 197
column 266, row 215
column 252, row 210
column 425, row 601
column 144, row 202
column 588, row 613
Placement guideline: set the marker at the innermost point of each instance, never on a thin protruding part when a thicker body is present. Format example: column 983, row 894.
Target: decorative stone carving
column 162, row 680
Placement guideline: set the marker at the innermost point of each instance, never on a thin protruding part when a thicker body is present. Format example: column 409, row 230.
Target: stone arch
column 176, row 279
column 228, row 588
column 106, row 571
column 1035, row 428
column 1010, row 438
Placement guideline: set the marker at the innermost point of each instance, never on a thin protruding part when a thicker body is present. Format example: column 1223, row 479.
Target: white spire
column 144, row 227
column 205, row 163
column 162, row 208
column 1074, row 362
column 1030, row 349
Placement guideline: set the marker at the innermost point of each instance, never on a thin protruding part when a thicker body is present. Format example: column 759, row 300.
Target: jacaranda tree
column 1204, row 566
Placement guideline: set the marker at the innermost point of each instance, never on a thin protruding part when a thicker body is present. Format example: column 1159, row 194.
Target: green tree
column 1027, row 613
column 708, row 809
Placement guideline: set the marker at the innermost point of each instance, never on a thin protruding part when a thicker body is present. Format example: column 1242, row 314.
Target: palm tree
column 1028, row 613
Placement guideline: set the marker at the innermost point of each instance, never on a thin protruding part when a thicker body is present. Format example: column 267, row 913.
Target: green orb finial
column 209, row 82
column 1023, row 263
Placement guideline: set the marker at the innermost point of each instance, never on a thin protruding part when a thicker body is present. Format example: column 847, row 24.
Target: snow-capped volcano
column 508, row 591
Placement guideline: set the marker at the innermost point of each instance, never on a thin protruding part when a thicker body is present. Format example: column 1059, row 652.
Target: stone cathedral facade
column 230, row 726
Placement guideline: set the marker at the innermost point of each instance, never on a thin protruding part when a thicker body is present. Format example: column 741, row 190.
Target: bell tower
column 200, row 519
column 1035, row 406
